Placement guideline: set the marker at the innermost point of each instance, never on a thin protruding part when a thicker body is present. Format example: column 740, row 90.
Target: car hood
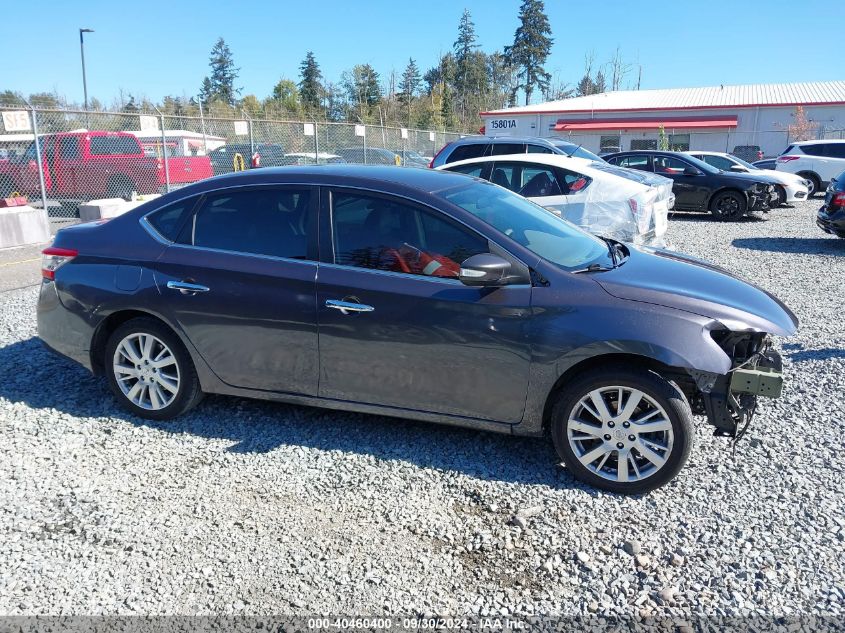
column 694, row 285
column 782, row 176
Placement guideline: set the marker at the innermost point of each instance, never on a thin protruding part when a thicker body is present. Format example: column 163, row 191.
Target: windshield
column 529, row 225
column 744, row 163
column 579, row 152
column 705, row 167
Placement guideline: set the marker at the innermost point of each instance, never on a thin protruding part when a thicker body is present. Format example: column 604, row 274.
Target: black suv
column 701, row 187
column 478, row 146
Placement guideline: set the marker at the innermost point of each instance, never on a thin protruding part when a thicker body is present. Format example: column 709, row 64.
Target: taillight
column 440, row 151
column 786, row 159
column 838, row 199
column 53, row 258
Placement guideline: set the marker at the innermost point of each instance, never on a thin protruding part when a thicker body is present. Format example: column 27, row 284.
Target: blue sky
column 155, row 48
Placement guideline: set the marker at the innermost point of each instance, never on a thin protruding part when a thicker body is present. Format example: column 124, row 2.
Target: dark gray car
column 418, row 294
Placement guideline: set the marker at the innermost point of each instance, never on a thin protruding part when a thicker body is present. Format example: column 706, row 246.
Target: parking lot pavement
column 252, row 507
column 20, row 266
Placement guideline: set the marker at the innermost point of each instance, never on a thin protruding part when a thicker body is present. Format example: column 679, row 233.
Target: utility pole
column 82, row 53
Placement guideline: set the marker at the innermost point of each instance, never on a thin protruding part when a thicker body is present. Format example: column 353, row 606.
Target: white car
column 817, row 161
column 623, row 204
column 790, row 188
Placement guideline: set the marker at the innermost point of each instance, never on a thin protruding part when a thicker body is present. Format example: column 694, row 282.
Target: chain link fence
column 84, row 155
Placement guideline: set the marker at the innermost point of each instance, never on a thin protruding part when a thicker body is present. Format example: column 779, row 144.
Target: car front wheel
column 728, row 205
column 149, row 370
column 624, row 430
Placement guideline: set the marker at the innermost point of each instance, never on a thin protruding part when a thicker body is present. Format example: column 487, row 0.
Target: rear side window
column 538, row 149
column 835, row 150
column 273, row 222
column 114, row 145
column 169, row 220
column 816, row 149
column 501, row 149
column 463, row 152
column 719, row 162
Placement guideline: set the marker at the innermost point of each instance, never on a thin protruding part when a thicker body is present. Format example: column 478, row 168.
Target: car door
column 396, row 326
column 240, row 282
column 68, row 165
column 691, row 191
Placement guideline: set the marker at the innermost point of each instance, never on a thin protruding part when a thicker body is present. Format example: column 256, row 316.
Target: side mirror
column 484, row 269
column 739, row 168
column 691, row 171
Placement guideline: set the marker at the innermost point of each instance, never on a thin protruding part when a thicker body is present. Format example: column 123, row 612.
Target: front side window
column 538, row 149
column 835, row 150
column 529, row 225
column 264, row 221
column 387, row 234
column 669, row 166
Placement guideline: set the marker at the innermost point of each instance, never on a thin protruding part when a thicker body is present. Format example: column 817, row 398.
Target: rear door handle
column 186, row 287
column 347, row 307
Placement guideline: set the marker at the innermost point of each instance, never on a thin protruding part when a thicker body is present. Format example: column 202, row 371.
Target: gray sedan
column 418, row 294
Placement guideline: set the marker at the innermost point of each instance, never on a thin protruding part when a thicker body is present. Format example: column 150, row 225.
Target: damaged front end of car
column 730, row 400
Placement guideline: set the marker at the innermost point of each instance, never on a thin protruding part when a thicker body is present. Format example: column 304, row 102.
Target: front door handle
column 186, row 287
column 346, row 307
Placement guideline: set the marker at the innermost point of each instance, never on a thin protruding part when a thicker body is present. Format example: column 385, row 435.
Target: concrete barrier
column 110, row 207
column 23, row 225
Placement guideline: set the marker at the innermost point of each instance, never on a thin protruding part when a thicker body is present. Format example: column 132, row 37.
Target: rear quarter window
column 169, row 220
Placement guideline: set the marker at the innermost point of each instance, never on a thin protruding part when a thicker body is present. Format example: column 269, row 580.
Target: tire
column 728, row 206
column 815, row 183
column 155, row 393
column 120, row 187
column 661, row 402
column 781, row 196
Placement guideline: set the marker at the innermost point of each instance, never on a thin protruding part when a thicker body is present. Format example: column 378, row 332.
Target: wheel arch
column 726, row 189
column 624, row 358
column 108, row 325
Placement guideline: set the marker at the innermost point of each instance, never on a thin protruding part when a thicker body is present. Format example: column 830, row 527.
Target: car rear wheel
column 625, row 430
column 149, row 370
column 728, row 205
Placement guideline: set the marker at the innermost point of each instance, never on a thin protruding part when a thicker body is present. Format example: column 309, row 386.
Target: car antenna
column 575, row 150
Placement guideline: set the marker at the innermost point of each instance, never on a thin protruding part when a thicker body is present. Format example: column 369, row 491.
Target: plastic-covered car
column 603, row 199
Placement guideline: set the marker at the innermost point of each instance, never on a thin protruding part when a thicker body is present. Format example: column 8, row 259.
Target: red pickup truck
column 97, row 164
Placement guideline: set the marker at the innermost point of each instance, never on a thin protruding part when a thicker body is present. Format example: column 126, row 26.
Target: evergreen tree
column 220, row 85
column 464, row 47
column 310, row 87
column 447, row 105
column 585, row 87
column 409, row 85
column 532, row 44
column 363, row 90
column 600, row 83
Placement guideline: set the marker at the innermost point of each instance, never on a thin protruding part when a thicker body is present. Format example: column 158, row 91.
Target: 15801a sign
column 502, row 124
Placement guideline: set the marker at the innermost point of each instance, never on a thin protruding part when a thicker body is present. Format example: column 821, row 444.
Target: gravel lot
column 249, row 507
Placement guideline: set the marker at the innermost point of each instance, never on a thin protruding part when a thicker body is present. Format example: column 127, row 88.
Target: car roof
column 510, row 139
column 652, row 152
column 559, row 160
column 817, row 142
column 419, row 180
column 701, row 151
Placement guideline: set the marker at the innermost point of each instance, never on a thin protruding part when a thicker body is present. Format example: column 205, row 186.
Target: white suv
column 817, row 161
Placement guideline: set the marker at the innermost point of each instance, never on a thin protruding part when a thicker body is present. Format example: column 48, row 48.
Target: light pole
column 82, row 53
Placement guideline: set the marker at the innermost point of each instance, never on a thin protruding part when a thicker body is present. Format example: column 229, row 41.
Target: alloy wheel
column 146, row 371
column 620, row 434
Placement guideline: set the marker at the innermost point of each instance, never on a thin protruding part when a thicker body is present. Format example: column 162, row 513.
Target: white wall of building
column 765, row 126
